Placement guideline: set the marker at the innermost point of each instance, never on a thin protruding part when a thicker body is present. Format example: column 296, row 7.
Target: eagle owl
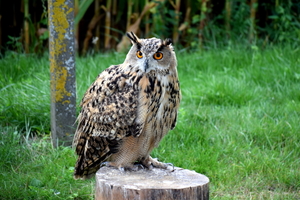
column 128, row 109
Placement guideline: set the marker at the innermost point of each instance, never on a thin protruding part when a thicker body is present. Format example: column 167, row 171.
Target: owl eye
column 158, row 56
column 139, row 54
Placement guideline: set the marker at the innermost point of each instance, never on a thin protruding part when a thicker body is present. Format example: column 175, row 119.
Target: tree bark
column 107, row 25
column 253, row 9
column 203, row 19
column 144, row 184
column 176, row 7
column 26, row 26
column 97, row 28
column 228, row 17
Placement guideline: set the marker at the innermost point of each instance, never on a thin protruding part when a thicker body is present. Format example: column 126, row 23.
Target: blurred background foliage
column 192, row 24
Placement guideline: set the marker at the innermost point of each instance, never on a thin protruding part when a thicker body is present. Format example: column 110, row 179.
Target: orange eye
column 139, row 54
column 158, row 56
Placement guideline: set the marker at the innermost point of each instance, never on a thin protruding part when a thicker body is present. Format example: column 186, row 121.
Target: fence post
column 62, row 70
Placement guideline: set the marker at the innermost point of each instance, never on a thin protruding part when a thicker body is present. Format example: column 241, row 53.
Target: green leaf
column 82, row 9
column 273, row 17
column 196, row 19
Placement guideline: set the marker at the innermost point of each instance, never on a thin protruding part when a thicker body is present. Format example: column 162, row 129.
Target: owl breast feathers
column 128, row 109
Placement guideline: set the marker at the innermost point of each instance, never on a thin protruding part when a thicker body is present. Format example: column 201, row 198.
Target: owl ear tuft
column 133, row 38
column 168, row 41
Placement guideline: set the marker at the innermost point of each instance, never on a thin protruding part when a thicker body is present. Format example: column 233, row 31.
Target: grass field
column 238, row 124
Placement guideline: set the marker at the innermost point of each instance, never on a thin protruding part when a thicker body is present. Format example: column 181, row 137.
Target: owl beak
column 146, row 65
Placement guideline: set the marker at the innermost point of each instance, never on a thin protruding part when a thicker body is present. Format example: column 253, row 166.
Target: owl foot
column 106, row 164
column 111, row 164
column 139, row 166
column 162, row 165
column 153, row 162
column 134, row 167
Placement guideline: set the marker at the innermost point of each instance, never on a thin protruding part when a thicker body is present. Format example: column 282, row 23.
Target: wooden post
column 62, row 69
column 144, row 184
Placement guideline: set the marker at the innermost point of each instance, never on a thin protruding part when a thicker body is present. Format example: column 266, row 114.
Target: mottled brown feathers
column 128, row 109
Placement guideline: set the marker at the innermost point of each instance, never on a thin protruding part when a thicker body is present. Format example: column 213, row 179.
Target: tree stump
column 144, row 184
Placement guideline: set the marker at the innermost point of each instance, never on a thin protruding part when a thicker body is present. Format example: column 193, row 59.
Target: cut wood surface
column 144, row 184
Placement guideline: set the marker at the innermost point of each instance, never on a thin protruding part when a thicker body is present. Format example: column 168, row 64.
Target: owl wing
column 108, row 113
column 176, row 96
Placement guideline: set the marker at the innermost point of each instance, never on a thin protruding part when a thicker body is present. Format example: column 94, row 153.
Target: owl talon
column 122, row 169
column 171, row 165
column 151, row 167
column 138, row 166
column 105, row 164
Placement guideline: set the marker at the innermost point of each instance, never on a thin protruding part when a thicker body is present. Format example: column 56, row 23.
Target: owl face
column 151, row 54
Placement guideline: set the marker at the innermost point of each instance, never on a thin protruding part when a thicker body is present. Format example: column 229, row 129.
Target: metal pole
column 62, row 69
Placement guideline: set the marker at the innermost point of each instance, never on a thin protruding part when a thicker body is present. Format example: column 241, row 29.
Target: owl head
column 151, row 54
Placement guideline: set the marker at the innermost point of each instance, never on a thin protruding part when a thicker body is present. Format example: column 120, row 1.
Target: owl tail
column 85, row 169
column 91, row 151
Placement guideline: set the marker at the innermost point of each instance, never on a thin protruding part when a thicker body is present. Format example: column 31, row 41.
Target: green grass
column 238, row 124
